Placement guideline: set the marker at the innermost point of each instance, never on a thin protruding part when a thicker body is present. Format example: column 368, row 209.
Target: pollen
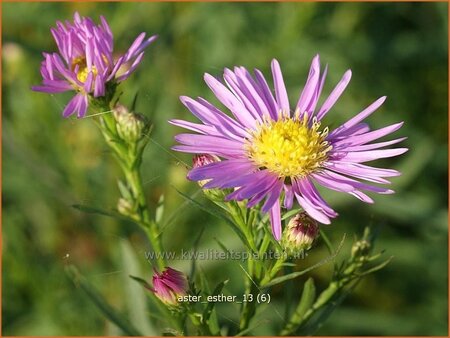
column 289, row 147
column 83, row 70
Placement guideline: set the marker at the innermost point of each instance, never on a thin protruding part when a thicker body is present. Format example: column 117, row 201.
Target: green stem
column 324, row 298
column 134, row 180
column 128, row 157
column 273, row 272
column 249, row 307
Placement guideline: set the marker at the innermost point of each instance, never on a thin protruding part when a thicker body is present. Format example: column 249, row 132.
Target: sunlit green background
column 49, row 164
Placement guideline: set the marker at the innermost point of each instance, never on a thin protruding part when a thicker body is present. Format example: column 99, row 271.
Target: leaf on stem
column 306, row 301
column 94, row 210
column 209, row 308
column 159, row 210
column 302, row 272
column 219, row 215
column 108, row 311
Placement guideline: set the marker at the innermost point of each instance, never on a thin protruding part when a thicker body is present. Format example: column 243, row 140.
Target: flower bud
column 204, row 159
column 361, row 249
column 125, row 207
column 300, row 233
column 130, row 126
column 169, row 285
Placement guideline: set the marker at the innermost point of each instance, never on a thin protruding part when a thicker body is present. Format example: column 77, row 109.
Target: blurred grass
column 49, row 164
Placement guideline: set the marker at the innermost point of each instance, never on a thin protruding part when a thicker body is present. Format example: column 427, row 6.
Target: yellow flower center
column 289, row 147
column 83, row 70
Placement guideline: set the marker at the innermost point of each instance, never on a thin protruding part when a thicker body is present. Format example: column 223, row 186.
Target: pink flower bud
column 169, row 285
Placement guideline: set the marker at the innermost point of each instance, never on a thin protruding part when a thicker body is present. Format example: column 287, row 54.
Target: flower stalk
column 128, row 153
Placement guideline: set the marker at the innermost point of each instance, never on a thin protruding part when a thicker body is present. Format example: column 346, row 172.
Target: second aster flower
column 270, row 152
column 85, row 62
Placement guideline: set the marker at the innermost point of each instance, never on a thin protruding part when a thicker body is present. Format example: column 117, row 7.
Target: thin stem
column 128, row 157
column 134, row 180
column 326, row 296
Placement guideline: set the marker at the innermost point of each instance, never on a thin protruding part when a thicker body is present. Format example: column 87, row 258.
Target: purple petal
column 255, row 183
column 199, row 128
column 364, row 156
column 312, row 211
column 324, row 179
column 367, row 137
column 311, row 85
column 230, row 101
column 218, row 169
column 209, row 114
column 335, row 94
column 360, row 117
column 82, row 106
column 246, row 92
column 234, row 181
column 280, row 89
column 361, row 196
column 267, row 94
column 356, row 184
column 133, row 67
column 288, row 196
column 72, row 105
column 307, row 189
column 363, row 169
column 275, row 220
column 374, row 145
column 273, row 196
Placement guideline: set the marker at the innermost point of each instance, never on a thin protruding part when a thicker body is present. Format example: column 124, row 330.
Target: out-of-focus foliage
column 49, row 164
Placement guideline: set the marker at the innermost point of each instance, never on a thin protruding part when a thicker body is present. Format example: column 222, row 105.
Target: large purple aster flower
column 85, row 62
column 273, row 152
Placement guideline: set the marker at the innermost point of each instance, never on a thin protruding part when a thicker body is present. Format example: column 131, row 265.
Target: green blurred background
column 49, row 164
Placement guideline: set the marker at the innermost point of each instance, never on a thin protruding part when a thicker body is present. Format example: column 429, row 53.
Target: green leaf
column 375, row 268
column 93, row 210
column 133, row 104
column 195, row 246
column 112, row 314
column 327, row 241
column 291, row 213
column 124, row 191
column 222, row 246
column 159, row 210
column 141, row 281
column 217, row 214
column 135, row 295
column 300, row 273
column 209, row 308
column 317, row 321
column 306, row 301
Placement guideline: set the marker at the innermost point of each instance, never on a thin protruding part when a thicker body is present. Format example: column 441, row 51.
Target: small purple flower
column 85, row 62
column 169, row 285
column 274, row 153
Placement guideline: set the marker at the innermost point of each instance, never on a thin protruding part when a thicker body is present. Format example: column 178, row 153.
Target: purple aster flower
column 274, row 153
column 85, row 62
column 168, row 285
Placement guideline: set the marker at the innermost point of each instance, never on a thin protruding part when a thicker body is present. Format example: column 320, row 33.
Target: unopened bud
column 300, row 233
column 169, row 285
column 361, row 249
column 125, row 207
column 130, row 126
column 202, row 160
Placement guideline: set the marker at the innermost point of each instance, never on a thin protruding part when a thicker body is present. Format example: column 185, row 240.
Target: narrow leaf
column 284, row 278
column 218, row 215
column 306, row 301
column 100, row 302
column 159, row 210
